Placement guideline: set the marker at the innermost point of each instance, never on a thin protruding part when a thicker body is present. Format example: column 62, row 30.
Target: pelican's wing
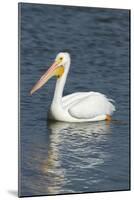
column 90, row 106
column 68, row 100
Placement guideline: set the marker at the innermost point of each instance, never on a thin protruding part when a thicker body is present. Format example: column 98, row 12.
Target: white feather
column 90, row 105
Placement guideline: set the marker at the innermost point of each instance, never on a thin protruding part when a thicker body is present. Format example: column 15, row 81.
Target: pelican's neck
column 60, row 85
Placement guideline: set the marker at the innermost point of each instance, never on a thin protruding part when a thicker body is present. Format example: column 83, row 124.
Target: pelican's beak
column 55, row 70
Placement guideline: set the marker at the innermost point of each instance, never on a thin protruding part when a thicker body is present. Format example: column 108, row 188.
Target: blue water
column 58, row 157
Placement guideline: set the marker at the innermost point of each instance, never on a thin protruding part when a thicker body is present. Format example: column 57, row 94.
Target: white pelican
column 76, row 107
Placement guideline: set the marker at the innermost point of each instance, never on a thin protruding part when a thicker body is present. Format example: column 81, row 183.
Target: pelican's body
column 76, row 107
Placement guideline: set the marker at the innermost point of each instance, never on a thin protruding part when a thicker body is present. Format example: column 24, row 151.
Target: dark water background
column 59, row 157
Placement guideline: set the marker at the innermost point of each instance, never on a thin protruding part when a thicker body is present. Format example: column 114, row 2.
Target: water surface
column 58, row 157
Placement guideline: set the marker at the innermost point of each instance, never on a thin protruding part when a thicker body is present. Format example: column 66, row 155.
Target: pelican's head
column 63, row 58
column 57, row 69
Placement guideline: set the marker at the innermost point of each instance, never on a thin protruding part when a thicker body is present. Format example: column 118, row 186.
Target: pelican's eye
column 61, row 58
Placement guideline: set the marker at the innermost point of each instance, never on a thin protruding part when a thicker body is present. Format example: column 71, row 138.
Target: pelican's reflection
column 74, row 150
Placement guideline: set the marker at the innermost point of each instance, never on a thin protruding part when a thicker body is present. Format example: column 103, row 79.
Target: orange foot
column 108, row 118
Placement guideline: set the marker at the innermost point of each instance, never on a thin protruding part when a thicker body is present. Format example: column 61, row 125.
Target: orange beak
column 54, row 70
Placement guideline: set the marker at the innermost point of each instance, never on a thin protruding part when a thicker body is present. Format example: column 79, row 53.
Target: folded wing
column 89, row 105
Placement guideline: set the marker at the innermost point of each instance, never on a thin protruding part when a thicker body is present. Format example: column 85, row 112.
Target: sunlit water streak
column 77, row 147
